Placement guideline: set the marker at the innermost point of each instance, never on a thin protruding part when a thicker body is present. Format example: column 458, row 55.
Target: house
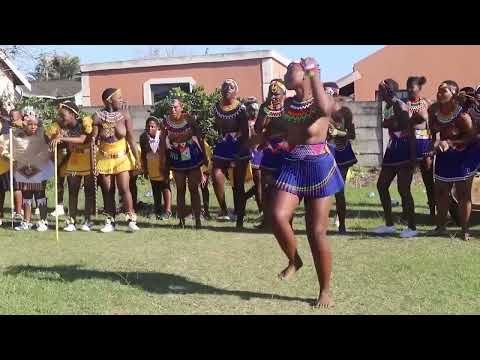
column 55, row 89
column 145, row 81
column 11, row 79
column 436, row 62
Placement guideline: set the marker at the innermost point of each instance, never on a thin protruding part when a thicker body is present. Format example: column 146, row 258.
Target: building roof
column 182, row 60
column 54, row 89
column 348, row 79
column 19, row 78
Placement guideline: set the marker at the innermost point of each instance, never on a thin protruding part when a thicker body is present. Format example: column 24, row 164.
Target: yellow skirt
column 79, row 163
column 115, row 158
column 155, row 166
column 4, row 166
column 61, row 170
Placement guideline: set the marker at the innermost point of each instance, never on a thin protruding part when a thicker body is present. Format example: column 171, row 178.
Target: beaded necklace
column 273, row 113
column 417, row 106
column 299, row 112
column 447, row 118
column 109, row 121
column 230, row 114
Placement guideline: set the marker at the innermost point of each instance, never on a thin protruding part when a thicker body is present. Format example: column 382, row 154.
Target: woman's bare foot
column 324, row 300
column 438, row 231
column 291, row 269
column 466, row 236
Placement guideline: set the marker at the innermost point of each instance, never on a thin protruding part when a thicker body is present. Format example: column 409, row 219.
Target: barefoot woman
column 455, row 160
column 75, row 133
column 274, row 130
column 398, row 161
column 117, row 156
column 308, row 171
column 186, row 154
column 341, row 131
column 232, row 150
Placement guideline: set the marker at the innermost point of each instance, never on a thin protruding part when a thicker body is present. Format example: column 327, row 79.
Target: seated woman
column 74, row 133
column 116, row 157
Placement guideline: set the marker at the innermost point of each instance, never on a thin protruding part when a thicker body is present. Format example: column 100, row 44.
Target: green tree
column 198, row 103
column 56, row 67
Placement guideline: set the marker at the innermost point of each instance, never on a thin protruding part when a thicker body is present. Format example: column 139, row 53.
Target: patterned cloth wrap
column 273, row 153
column 310, row 172
column 228, row 148
column 185, row 156
column 398, row 149
column 457, row 165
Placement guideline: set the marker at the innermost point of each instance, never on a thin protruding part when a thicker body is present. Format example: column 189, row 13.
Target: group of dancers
column 294, row 148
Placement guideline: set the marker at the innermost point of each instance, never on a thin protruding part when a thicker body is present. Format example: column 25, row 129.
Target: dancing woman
column 341, row 132
column 232, row 151
column 398, row 161
column 274, row 131
column 308, row 171
column 186, row 154
column 74, row 132
column 418, row 112
column 117, row 156
column 456, row 160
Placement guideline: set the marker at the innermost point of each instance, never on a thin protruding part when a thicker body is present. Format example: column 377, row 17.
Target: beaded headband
column 449, row 87
column 118, row 91
column 63, row 105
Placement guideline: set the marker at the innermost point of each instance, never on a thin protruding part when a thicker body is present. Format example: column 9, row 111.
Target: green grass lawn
column 163, row 270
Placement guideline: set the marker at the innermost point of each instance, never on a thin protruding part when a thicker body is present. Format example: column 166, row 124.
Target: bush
column 198, row 103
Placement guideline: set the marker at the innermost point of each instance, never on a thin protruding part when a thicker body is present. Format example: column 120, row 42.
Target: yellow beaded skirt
column 114, row 158
column 78, row 163
column 61, row 155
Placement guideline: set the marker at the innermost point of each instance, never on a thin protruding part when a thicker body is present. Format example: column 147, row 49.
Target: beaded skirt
column 306, row 173
column 345, row 157
column 185, row 156
column 457, row 165
column 273, row 154
column 229, row 149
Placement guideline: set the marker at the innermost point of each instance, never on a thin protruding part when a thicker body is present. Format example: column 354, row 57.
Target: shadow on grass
column 153, row 282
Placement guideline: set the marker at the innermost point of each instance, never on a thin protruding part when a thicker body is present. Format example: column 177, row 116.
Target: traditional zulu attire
column 114, row 156
column 308, row 171
column 229, row 148
column 398, row 148
column 343, row 152
column 458, row 163
column 423, row 137
column 187, row 155
column 275, row 147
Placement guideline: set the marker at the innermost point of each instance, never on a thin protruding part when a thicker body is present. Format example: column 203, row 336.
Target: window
column 156, row 89
column 160, row 91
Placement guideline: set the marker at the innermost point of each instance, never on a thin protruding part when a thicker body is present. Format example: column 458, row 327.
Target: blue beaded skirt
column 257, row 156
column 309, row 175
column 457, row 165
column 185, row 156
column 345, row 157
column 229, row 149
column 398, row 152
column 423, row 147
column 273, row 154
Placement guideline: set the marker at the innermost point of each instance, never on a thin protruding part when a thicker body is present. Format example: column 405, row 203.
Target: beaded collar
column 273, row 113
column 298, row 112
column 109, row 117
column 446, row 119
column 417, row 106
column 221, row 114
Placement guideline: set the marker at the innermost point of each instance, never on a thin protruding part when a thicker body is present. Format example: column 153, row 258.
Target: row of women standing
column 442, row 139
